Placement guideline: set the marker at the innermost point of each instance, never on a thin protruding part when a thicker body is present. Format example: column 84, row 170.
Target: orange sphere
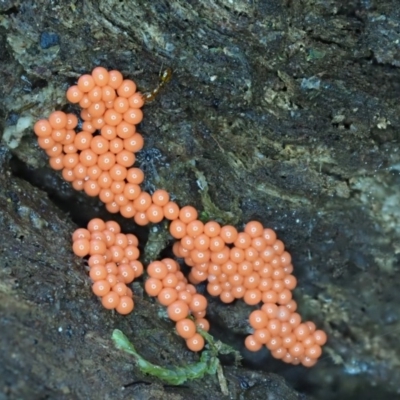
column 74, row 94
column 97, row 247
column 171, row 211
column 195, row 343
column 91, row 188
column 141, row 219
column 153, row 286
column 142, row 202
column 95, row 95
column 86, row 103
column 195, row 228
column 167, row 296
column 243, row 240
column 120, row 288
column 86, row 83
column 55, row 150
column 258, row 243
column 295, row 320
column 100, row 76
column 278, row 247
column 88, row 158
column 274, row 343
column 121, row 105
column 112, row 118
column 112, row 268
column 106, row 196
column 155, row 214
column 134, row 143
column 186, row 328
column 135, row 175
column 58, row 120
column 302, row 332
column 258, row 319
column 160, row 197
column 228, row 233
column 93, row 172
column 202, row 241
column 252, row 344
column 58, row 135
column 116, row 145
column 125, row 130
column 136, row 100
column 202, row 323
column 296, row 350
column 313, row 351
column 112, row 280
column 157, row 269
column 274, row 327
column 82, row 140
column 113, row 226
column 127, row 272
column 101, row 288
column 81, row 233
column 177, row 228
column 251, row 281
column 216, row 242
column 311, row 326
column 70, row 161
column 188, row 214
column 127, row 88
column 126, row 305
column 254, row 229
column 228, row 296
column 57, row 162
column 81, row 247
column 115, row 79
column 118, row 173
column 108, row 132
column 96, row 259
column 69, row 137
column 137, row 267
column 133, row 116
column 252, row 297
column 98, row 272
column 131, row 252
column 125, row 158
column 262, row 335
column 184, row 295
column 320, row 337
column 110, row 300
column 99, row 145
column 178, row 310
column 108, row 94
column 270, row 236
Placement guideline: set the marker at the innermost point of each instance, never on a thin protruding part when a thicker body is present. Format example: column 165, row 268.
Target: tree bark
column 285, row 112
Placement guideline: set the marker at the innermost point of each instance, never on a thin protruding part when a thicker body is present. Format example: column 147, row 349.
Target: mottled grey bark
column 281, row 111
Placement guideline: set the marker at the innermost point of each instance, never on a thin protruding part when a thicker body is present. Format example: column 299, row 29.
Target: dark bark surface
column 282, row 111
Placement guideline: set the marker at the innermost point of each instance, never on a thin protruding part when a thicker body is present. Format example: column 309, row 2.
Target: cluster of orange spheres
column 251, row 265
column 173, row 291
column 99, row 158
column 113, row 262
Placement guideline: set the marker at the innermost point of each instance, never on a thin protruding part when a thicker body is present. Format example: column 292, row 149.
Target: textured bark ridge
column 282, row 111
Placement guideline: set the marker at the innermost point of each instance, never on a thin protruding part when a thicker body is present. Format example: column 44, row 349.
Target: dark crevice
column 11, row 11
column 77, row 205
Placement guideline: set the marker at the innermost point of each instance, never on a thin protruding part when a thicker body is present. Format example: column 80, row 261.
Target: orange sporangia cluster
column 169, row 285
column 251, row 265
column 254, row 266
column 113, row 262
column 99, row 158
